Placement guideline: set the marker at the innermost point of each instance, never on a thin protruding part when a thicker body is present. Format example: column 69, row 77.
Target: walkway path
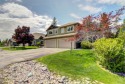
column 8, row 57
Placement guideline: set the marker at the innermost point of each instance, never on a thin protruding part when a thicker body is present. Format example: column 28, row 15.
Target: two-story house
column 57, row 36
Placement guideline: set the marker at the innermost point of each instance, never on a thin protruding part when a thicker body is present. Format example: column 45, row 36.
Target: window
column 70, row 29
column 62, row 30
column 50, row 32
column 56, row 31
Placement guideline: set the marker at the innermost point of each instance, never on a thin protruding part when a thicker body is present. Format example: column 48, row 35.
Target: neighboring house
column 12, row 42
column 38, row 38
column 57, row 36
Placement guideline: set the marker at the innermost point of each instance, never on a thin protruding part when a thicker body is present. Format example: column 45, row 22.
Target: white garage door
column 51, row 43
column 63, row 43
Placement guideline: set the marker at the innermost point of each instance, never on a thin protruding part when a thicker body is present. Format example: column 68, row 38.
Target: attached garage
column 51, row 43
column 63, row 43
column 59, row 42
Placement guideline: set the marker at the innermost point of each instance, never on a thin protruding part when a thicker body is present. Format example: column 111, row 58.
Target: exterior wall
column 65, row 29
column 59, row 30
column 53, row 31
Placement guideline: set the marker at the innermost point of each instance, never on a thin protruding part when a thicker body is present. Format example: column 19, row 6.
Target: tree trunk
column 23, row 44
column 71, row 47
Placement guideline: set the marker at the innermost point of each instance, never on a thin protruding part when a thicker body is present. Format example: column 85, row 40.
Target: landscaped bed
column 80, row 64
column 19, row 48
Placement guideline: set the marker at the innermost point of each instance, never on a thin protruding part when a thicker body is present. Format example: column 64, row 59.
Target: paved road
column 8, row 57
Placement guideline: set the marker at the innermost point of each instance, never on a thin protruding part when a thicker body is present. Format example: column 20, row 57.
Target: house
column 38, row 39
column 57, row 36
column 12, row 42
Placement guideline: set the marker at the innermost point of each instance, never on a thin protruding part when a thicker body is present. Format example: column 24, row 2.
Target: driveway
column 9, row 57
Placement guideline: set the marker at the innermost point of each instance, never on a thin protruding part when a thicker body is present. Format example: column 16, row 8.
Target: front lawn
column 19, row 48
column 81, row 63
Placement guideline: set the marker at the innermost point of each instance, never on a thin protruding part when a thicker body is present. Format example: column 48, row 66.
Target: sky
column 38, row 14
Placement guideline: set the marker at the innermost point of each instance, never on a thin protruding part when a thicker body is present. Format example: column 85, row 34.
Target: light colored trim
column 69, row 24
column 57, row 36
column 69, row 27
column 56, row 43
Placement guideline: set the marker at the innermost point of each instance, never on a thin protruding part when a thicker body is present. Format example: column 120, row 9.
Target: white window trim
column 70, row 27
column 50, row 31
column 63, row 30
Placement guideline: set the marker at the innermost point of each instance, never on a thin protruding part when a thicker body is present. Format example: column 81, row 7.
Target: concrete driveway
column 9, row 57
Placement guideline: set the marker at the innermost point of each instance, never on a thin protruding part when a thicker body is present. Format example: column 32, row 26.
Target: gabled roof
column 52, row 27
column 68, row 24
column 38, row 35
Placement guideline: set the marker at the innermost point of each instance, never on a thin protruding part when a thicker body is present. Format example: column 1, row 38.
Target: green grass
column 19, row 48
column 81, row 63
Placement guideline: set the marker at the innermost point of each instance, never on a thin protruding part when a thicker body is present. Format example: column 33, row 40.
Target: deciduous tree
column 97, row 26
column 22, row 35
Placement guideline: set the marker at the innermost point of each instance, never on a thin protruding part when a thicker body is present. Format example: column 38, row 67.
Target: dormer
column 53, row 29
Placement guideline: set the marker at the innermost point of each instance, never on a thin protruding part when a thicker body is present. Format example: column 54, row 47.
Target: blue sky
column 38, row 14
column 66, row 10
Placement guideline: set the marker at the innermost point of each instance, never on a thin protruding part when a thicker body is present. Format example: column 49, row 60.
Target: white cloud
column 75, row 16
column 121, row 2
column 12, row 10
column 12, row 15
column 89, row 8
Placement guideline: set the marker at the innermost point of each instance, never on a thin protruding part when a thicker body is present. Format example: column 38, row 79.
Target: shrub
column 122, row 36
column 86, row 45
column 38, row 43
column 111, row 54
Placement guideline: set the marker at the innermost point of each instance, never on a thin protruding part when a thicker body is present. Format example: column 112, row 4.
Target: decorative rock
column 63, row 77
column 60, row 81
column 26, row 81
column 32, row 72
column 44, row 68
column 52, row 77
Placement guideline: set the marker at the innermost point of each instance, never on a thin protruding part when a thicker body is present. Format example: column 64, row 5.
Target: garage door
column 51, row 43
column 63, row 43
